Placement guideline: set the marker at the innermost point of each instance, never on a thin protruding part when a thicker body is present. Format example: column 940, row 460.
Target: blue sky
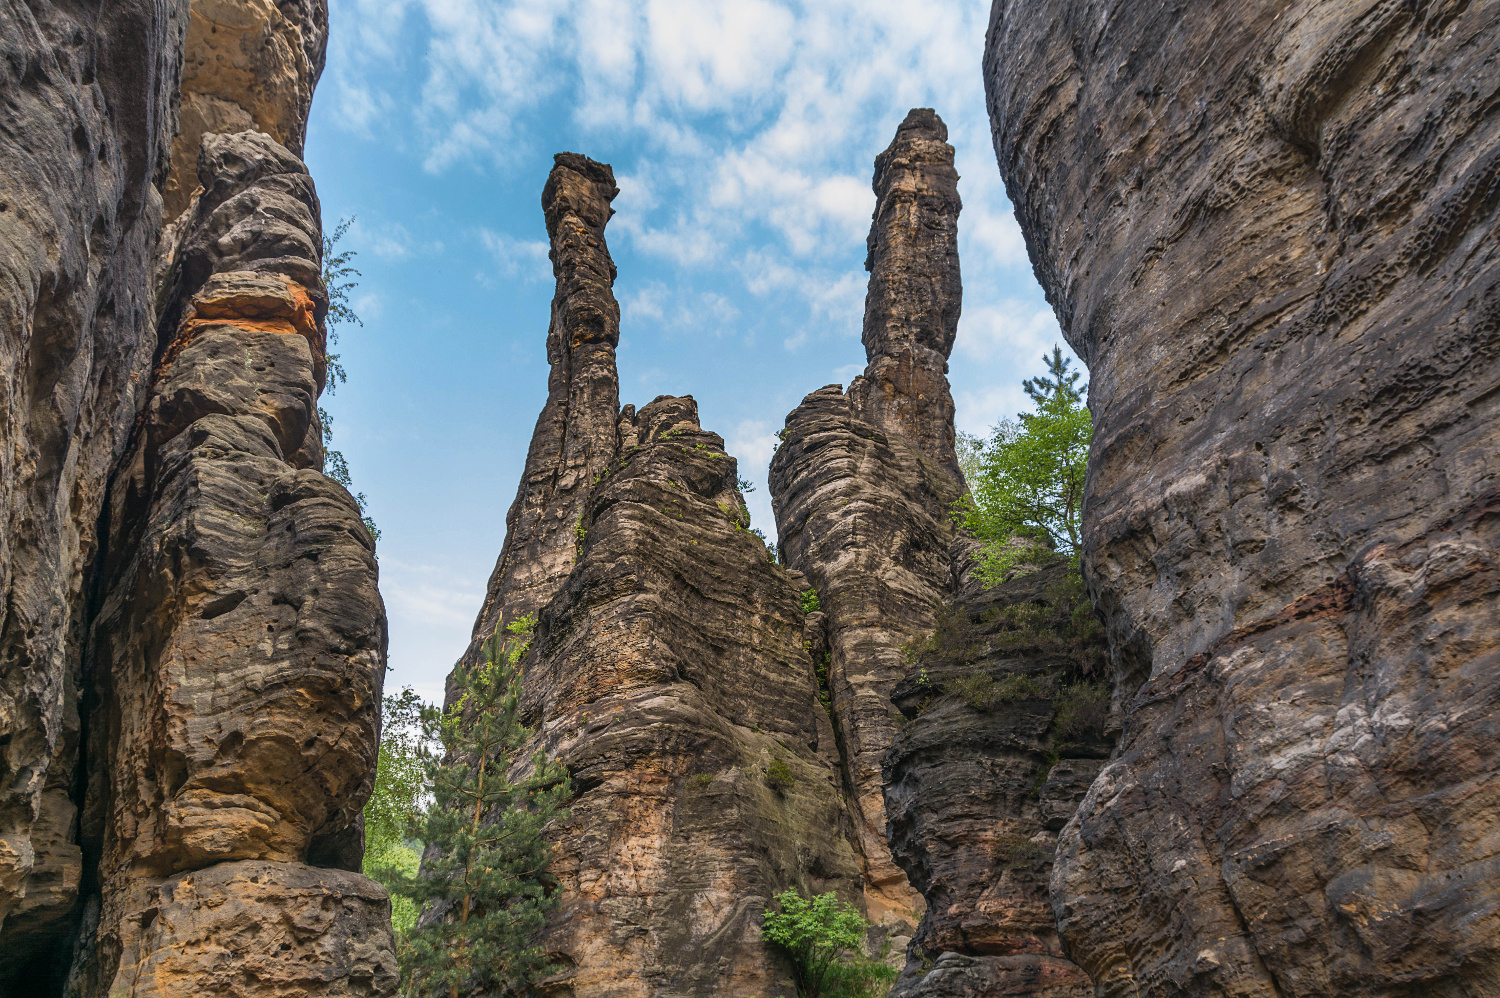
column 742, row 134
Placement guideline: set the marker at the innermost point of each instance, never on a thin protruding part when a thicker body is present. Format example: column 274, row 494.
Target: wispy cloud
column 524, row 259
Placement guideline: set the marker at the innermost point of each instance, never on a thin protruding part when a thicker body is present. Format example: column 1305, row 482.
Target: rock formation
column 1005, row 728
column 191, row 637
column 1269, row 230
column 249, row 65
column 863, row 483
column 667, row 670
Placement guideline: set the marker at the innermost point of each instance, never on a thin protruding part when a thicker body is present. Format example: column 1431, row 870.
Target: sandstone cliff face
column 863, row 482
column 1005, row 727
column 238, row 654
column 191, row 637
column 248, row 65
column 1269, row 229
column 667, row 671
column 84, row 133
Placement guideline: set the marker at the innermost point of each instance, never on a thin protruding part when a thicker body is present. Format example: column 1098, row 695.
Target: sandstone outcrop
column 1005, row 728
column 239, row 650
column 85, row 129
column 191, row 640
column 249, row 65
column 667, row 670
column 1269, row 230
column 864, row 481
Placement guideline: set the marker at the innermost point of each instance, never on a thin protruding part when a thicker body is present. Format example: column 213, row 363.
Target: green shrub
column 825, row 939
column 1082, row 710
column 810, row 601
column 780, row 778
column 981, row 692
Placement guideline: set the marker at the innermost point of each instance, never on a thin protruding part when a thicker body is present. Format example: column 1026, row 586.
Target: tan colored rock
column 1269, row 229
column 863, row 483
column 249, row 65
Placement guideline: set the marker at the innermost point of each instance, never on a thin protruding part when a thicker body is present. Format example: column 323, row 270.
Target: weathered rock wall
column 1006, row 725
column 1269, row 230
column 85, row 128
column 237, row 657
column 863, row 482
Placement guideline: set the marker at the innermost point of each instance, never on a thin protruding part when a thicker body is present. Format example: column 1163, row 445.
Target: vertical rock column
column 1270, row 230
column 575, row 437
column 85, row 128
column 863, row 483
column 238, row 654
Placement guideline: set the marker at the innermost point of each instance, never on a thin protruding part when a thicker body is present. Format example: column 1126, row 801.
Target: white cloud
column 1013, row 329
column 524, row 259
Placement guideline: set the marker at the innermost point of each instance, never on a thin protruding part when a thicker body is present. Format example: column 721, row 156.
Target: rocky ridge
column 1268, row 228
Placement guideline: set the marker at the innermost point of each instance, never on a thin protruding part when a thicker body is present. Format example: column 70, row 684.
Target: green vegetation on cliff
column 825, row 939
column 407, row 731
column 483, row 886
column 1025, row 498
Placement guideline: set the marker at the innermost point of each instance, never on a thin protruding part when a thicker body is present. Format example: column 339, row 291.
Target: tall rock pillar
column 863, row 482
column 1270, row 230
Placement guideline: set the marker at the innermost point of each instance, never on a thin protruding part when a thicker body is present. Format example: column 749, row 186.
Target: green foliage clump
column 825, row 939
column 981, row 692
column 780, row 778
column 338, row 274
column 1080, row 710
column 407, row 731
column 810, row 601
column 483, row 887
column 1025, row 495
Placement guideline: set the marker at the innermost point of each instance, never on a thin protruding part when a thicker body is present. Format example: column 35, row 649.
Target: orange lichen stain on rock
column 258, row 304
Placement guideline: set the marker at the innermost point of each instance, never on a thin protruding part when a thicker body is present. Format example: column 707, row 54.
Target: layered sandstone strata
column 864, row 481
column 1269, row 230
column 85, row 129
column 237, row 657
column 248, row 65
column 667, row 669
column 1006, row 724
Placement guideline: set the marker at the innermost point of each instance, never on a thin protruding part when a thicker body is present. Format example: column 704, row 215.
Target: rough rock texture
column 862, row 483
column 575, row 437
column 1004, row 731
column 667, row 670
column 1269, row 229
column 249, row 65
column 239, row 649
column 85, row 124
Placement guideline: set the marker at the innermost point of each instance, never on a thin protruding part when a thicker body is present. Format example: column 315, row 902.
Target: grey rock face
column 1001, row 723
column 239, row 650
column 1268, row 228
column 85, row 128
column 863, row 483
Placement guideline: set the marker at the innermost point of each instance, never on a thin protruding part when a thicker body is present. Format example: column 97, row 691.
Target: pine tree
column 483, row 886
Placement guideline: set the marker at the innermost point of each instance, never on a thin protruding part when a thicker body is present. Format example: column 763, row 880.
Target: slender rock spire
column 575, row 436
column 915, row 293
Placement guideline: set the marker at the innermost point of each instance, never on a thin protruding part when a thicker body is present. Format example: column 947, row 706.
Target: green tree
column 483, row 886
column 1025, row 496
column 825, row 939
column 407, row 731
column 338, row 274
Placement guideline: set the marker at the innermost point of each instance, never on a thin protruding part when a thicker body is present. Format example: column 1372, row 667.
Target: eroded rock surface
column 85, row 128
column 1006, row 724
column 250, row 65
column 1269, row 230
column 239, row 651
column 667, row 670
column 863, row 482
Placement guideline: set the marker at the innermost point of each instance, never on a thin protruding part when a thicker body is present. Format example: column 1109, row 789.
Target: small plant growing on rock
column 780, row 778
column 825, row 939
column 981, row 692
column 810, row 601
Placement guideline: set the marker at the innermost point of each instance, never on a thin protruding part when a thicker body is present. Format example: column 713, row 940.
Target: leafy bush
column 780, row 778
column 1026, row 484
column 1082, row 709
column 825, row 938
column 810, row 601
column 981, row 692
column 407, row 732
